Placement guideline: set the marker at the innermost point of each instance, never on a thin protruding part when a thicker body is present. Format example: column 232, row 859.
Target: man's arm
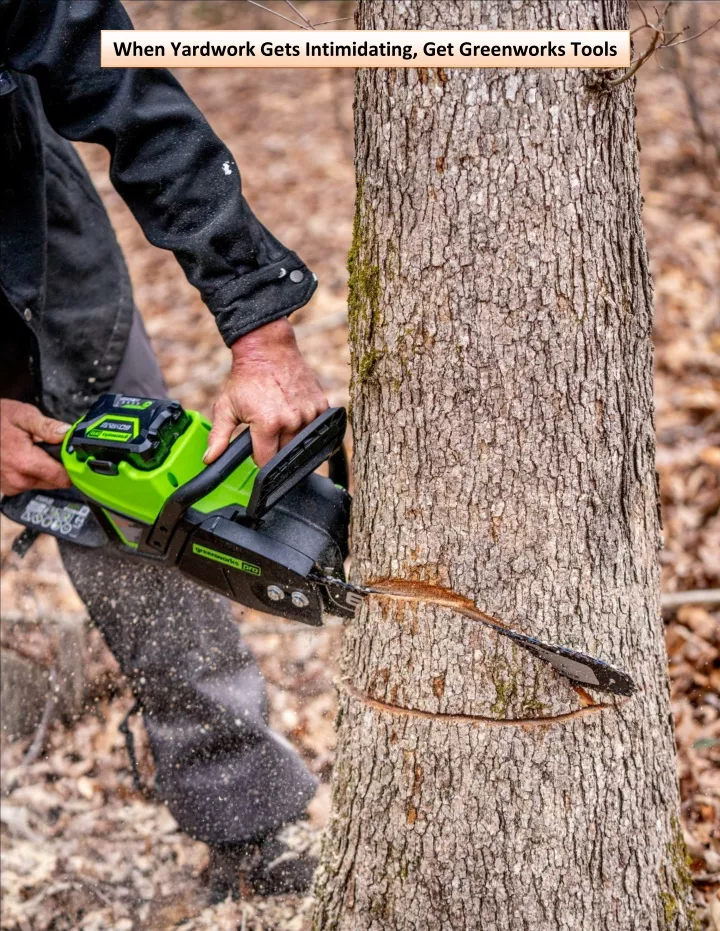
column 184, row 188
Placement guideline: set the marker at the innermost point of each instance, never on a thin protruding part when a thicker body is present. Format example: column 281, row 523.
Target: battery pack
column 119, row 428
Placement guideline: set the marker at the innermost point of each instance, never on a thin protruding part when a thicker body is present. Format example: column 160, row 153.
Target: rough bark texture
column 503, row 417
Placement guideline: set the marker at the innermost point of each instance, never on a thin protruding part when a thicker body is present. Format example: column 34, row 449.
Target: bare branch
column 659, row 33
column 671, row 38
column 298, row 13
column 275, row 13
column 638, row 64
column 664, row 44
column 661, row 40
column 343, row 19
column 644, row 16
column 702, row 596
column 697, row 35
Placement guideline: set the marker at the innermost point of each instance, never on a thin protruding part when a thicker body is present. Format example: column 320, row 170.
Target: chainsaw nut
column 299, row 600
column 275, row 593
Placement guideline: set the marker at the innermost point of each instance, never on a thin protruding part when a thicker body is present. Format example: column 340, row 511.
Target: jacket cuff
column 259, row 297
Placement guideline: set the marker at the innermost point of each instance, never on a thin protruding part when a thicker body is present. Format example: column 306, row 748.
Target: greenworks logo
column 118, row 429
column 226, row 560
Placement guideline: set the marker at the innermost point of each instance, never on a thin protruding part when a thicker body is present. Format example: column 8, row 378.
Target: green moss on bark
column 364, row 290
column 367, row 364
column 675, row 899
column 364, row 280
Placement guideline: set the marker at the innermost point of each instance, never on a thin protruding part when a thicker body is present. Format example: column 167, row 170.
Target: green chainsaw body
column 258, row 536
column 126, row 485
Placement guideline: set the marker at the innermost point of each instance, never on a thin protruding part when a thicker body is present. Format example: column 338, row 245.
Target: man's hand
column 23, row 465
column 271, row 388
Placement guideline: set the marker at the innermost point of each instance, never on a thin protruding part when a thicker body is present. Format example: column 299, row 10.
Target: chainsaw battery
column 118, row 428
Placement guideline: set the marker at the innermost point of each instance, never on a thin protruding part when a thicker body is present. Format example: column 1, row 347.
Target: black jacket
column 62, row 277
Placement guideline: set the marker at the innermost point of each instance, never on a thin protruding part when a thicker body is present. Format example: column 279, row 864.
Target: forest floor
column 81, row 848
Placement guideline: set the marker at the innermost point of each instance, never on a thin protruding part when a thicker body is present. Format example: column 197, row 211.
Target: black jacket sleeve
column 171, row 169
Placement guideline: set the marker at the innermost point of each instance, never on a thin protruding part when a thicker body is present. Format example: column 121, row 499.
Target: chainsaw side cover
column 249, row 567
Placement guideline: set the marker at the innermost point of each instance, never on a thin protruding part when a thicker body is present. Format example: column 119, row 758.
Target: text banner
column 180, row 48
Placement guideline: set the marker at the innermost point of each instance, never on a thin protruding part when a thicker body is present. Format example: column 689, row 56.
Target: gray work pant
column 224, row 775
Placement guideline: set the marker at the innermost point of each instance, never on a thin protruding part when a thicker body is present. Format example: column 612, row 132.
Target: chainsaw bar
column 578, row 667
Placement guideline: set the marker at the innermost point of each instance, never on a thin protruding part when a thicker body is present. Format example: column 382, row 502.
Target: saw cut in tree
column 500, row 317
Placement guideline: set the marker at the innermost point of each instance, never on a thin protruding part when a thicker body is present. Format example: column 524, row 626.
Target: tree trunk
column 503, row 418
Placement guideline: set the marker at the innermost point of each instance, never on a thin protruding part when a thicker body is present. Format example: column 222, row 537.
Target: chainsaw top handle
column 320, row 440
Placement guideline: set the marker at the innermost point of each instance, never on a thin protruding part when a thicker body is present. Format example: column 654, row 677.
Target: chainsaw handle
column 211, row 476
column 320, row 440
column 312, row 446
column 172, row 512
column 52, row 449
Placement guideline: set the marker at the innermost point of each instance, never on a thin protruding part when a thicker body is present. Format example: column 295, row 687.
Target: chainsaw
column 274, row 539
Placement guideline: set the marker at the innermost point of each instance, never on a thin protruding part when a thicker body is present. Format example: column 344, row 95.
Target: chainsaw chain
column 343, row 584
column 574, row 665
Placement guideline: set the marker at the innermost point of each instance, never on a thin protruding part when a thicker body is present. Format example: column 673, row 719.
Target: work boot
column 266, row 868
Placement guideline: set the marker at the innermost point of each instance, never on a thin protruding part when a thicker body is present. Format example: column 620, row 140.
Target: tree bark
column 500, row 316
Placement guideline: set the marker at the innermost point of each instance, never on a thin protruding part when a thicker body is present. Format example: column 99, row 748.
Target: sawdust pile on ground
column 81, row 847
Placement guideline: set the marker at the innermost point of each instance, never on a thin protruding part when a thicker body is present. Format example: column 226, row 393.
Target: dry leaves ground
column 81, row 848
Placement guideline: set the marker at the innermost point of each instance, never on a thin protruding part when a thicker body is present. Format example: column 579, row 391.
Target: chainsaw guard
column 247, row 566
